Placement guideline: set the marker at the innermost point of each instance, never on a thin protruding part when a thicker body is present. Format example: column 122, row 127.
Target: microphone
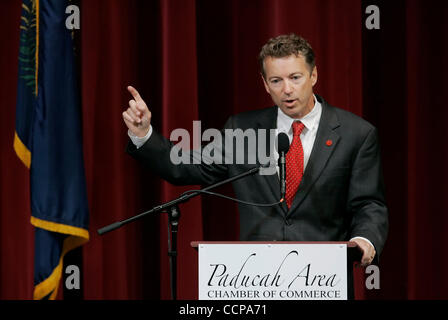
column 283, row 147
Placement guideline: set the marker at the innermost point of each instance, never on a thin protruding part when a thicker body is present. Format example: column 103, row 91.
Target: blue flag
column 48, row 139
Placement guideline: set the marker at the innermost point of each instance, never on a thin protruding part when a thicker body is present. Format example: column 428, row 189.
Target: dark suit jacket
column 340, row 196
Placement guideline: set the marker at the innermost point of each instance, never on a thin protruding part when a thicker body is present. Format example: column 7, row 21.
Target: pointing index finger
column 134, row 93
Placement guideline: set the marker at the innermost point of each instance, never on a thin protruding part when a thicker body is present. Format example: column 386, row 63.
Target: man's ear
column 314, row 76
column 265, row 83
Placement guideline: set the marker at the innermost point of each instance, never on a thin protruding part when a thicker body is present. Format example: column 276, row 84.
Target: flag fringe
column 51, row 284
column 77, row 237
column 22, row 151
column 60, row 228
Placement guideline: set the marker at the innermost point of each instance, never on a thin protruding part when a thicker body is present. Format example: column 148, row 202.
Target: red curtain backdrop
column 196, row 60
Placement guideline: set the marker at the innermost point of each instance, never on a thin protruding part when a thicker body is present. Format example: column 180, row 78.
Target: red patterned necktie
column 294, row 163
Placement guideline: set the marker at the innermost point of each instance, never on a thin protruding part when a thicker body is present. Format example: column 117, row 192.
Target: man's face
column 290, row 84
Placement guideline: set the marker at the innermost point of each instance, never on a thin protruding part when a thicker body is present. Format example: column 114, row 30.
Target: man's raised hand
column 137, row 117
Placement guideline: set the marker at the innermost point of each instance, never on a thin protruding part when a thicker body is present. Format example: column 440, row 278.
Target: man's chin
column 293, row 112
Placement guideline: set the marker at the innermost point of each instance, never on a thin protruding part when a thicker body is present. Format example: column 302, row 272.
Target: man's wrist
column 365, row 239
column 139, row 141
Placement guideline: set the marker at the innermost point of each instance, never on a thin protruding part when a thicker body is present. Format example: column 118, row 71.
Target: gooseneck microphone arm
column 183, row 198
column 282, row 173
column 283, row 147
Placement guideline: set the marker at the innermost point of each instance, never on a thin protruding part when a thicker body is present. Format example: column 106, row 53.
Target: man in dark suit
column 333, row 168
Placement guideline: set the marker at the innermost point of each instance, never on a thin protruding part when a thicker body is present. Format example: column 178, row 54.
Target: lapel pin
column 329, row 142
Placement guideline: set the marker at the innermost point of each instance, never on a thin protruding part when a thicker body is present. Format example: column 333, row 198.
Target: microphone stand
column 172, row 208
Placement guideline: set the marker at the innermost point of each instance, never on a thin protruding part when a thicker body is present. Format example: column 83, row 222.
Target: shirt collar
column 310, row 121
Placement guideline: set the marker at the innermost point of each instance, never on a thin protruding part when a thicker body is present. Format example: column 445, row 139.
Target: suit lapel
column 320, row 153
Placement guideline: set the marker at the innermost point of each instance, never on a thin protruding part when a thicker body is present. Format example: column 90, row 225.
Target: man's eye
column 296, row 77
column 275, row 81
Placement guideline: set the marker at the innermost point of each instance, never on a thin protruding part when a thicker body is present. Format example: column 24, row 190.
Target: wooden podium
column 277, row 270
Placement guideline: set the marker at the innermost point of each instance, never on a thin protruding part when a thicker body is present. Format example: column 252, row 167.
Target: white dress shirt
column 139, row 141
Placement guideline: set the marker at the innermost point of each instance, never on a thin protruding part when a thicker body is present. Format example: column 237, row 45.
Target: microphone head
column 282, row 142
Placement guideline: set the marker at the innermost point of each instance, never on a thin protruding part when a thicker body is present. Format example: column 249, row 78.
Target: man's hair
column 284, row 46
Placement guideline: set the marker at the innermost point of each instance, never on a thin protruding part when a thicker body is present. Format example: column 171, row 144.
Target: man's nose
column 287, row 89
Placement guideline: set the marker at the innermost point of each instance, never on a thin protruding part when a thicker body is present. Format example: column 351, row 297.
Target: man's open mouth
column 289, row 102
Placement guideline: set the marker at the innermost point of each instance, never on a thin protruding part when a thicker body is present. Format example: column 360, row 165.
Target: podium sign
column 270, row 271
